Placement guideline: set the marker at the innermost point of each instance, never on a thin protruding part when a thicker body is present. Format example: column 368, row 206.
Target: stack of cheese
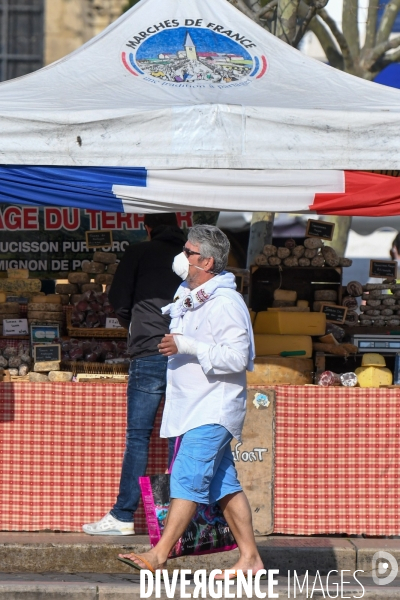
column 312, row 254
column 8, row 310
column 322, row 297
column 95, row 274
column 16, row 285
column 373, row 371
column 49, row 371
column 46, row 310
column 286, row 329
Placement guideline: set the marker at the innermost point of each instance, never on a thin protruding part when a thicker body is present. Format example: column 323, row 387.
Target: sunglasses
column 190, row 252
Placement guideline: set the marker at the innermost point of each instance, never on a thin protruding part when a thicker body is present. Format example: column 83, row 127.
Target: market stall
column 200, row 110
column 335, row 463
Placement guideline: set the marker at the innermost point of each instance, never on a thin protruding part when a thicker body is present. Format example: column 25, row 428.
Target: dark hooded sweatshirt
column 143, row 283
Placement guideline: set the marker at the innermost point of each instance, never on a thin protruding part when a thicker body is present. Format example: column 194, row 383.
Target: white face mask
column 181, row 265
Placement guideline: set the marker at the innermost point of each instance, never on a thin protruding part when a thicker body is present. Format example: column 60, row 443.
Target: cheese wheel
column 287, row 295
column 48, row 307
column 111, row 269
column 64, row 299
column 302, row 303
column 19, row 286
column 17, row 274
column 330, row 295
column 79, row 278
column 373, row 376
column 107, row 258
column 9, row 307
column 53, row 298
column 104, row 279
column 38, row 299
column 275, row 344
column 67, row 288
column 93, row 267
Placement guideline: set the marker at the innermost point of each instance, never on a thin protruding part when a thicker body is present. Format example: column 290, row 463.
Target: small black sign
column 383, row 269
column 99, row 239
column 320, row 229
column 239, row 279
column 46, row 352
column 334, row 314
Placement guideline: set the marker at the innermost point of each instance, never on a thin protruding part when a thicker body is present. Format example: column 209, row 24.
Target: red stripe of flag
column 367, row 194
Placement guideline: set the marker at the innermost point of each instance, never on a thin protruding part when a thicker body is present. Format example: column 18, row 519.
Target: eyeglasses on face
column 190, row 252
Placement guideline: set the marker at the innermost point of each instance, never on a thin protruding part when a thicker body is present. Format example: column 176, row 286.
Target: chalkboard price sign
column 383, row 269
column 334, row 314
column 46, row 352
column 320, row 229
column 99, row 239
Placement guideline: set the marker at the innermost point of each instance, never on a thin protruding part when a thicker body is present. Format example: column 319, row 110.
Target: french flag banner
column 139, row 190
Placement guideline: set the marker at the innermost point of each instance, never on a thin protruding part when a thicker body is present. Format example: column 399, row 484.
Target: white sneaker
column 108, row 525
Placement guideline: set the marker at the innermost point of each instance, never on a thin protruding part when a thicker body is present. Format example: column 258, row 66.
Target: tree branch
column 350, row 26
column 387, row 21
column 242, row 6
column 382, row 48
column 371, row 24
column 391, row 58
column 254, row 5
column 327, row 42
column 341, row 40
column 287, row 20
column 265, row 9
column 304, row 25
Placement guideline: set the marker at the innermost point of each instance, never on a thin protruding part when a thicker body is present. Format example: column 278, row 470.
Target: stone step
column 90, row 586
column 81, row 553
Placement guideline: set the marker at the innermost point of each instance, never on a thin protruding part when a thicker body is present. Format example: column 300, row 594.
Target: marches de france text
column 142, row 35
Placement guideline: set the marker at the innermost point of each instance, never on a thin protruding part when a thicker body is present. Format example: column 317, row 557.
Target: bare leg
column 237, row 513
column 179, row 516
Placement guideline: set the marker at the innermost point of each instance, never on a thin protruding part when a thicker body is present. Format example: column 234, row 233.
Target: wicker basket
column 98, row 332
column 93, row 367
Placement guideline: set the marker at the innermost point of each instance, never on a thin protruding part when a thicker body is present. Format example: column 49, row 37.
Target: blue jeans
column 146, row 388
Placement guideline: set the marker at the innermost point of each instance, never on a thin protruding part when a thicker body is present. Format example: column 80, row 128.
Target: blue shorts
column 204, row 470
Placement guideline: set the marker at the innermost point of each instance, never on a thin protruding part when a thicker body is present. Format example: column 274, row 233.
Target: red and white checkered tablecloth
column 61, row 447
column 337, row 463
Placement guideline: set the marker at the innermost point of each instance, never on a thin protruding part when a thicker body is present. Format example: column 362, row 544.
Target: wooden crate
column 264, row 280
column 98, row 332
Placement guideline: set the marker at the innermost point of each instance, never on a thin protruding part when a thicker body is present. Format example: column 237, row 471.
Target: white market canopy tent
column 188, row 104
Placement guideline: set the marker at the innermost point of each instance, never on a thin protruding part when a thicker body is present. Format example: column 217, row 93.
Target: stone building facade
column 34, row 33
column 71, row 23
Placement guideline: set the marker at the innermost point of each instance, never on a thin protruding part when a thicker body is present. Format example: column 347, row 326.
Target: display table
column 337, row 457
column 60, row 454
column 337, row 461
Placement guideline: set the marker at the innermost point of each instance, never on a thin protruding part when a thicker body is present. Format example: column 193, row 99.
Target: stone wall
column 71, row 23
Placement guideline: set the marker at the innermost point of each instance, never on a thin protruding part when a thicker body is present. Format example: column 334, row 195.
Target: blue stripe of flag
column 80, row 187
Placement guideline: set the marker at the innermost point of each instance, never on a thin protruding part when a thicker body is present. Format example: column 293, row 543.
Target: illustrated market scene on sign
column 199, row 299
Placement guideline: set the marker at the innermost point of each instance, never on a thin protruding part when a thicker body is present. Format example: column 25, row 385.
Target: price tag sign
column 334, row 314
column 47, row 352
column 99, row 239
column 15, row 327
column 112, row 323
column 320, row 229
column 383, row 269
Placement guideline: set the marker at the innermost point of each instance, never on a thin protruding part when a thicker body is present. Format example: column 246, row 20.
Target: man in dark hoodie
column 143, row 284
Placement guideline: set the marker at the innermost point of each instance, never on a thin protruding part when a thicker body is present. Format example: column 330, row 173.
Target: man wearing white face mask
column 209, row 348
